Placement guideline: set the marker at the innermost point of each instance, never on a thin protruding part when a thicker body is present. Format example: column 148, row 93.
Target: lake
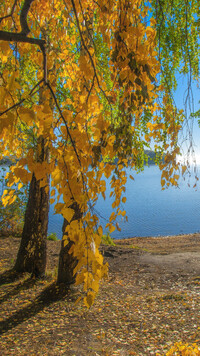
column 150, row 210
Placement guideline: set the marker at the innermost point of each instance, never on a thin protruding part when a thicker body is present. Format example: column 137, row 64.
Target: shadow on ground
column 9, row 276
column 50, row 294
column 17, row 288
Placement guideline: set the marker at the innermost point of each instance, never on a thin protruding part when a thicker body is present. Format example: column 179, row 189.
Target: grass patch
column 52, row 237
column 107, row 240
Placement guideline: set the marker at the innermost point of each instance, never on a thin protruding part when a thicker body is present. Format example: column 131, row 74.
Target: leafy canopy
column 82, row 75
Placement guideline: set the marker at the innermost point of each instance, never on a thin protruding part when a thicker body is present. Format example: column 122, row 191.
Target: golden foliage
column 184, row 349
column 102, row 68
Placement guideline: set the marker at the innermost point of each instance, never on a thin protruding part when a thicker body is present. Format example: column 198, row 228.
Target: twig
column 88, row 52
column 11, row 13
column 21, row 101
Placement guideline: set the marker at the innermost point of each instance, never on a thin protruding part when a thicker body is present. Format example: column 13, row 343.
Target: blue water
column 150, row 210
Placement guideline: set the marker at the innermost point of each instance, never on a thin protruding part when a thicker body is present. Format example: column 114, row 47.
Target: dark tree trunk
column 32, row 252
column 67, row 262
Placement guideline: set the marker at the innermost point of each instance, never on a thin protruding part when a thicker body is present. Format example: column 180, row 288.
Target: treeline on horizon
column 150, row 154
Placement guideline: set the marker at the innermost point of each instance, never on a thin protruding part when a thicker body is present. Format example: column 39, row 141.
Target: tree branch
column 19, row 37
column 23, row 17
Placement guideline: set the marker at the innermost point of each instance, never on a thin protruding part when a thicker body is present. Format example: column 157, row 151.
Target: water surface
column 151, row 211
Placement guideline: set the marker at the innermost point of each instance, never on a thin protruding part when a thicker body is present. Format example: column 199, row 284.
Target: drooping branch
column 67, row 128
column 23, row 17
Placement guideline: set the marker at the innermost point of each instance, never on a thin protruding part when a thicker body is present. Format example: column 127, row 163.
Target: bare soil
column 150, row 300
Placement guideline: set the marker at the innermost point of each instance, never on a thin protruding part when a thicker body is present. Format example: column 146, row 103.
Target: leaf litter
column 141, row 309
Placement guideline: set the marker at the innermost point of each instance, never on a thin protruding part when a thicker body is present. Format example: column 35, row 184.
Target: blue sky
column 191, row 127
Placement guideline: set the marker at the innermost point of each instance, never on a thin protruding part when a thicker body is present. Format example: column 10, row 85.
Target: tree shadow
column 49, row 295
column 9, row 276
column 14, row 290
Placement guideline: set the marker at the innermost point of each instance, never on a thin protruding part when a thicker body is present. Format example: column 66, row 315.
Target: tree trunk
column 32, row 252
column 67, row 262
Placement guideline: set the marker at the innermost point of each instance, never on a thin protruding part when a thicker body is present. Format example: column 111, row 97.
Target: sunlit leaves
column 67, row 213
column 183, row 349
column 26, row 115
column 8, row 197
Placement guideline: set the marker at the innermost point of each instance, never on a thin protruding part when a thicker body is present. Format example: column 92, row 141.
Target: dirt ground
column 150, row 300
column 173, row 253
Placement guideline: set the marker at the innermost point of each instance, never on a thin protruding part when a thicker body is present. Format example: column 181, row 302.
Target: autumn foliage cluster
column 182, row 349
column 80, row 81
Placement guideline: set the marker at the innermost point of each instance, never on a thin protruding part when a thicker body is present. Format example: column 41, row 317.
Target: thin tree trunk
column 67, row 262
column 32, row 252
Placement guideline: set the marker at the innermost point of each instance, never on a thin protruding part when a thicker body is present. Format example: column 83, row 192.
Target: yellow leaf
column 95, row 286
column 40, row 170
column 78, row 300
column 27, row 115
column 53, row 192
column 112, row 216
column 11, row 81
column 4, row 46
column 12, row 199
column 20, row 185
column 80, row 278
column 8, row 197
column 99, row 258
column 107, row 170
column 58, row 207
column 100, row 230
column 162, row 182
column 5, row 192
column 124, row 200
column 3, row 93
column 183, row 169
column 111, row 228
column 67, row 213
column 46, row 109
column 176, row 176
column 56, row 176
column 89, row 299
column 22, row 174
column 79, row 265
column 7, row 121
column 65, row 240
column 111, row 140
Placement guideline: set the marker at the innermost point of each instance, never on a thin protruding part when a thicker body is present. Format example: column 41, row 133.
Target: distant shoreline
column 151, row 159
column 196, row 234
column 7, row 161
